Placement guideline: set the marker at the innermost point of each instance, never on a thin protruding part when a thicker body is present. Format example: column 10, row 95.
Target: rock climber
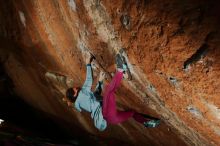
column 103, row 112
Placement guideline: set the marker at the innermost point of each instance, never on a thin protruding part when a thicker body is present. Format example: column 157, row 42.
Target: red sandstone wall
column 173, row 52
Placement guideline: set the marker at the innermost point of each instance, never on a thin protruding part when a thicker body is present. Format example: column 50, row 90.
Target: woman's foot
column 152, row 123
column 146, row 120
column 122, row 65
column 119, row 62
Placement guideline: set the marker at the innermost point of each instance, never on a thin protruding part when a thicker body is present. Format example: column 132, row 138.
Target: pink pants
column 109, row 110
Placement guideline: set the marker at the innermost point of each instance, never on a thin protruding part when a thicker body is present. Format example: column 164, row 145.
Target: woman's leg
column 109, row 110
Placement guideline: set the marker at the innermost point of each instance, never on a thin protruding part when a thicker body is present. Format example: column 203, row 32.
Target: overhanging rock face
column 172, row 49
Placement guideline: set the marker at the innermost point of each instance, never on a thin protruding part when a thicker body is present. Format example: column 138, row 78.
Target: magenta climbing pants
column 109, row 110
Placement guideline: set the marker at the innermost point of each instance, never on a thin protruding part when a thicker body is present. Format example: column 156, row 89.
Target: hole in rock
column 125, row 20
column 199, row 54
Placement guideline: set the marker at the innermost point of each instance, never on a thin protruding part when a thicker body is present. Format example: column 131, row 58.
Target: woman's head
column 72, row 93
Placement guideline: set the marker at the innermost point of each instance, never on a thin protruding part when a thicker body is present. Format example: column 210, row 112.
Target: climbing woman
column 103, row 112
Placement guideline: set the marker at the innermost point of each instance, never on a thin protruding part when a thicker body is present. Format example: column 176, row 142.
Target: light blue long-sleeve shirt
column 87, row 101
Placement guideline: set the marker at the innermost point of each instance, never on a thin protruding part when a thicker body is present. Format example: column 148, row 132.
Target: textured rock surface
column 173, row 52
